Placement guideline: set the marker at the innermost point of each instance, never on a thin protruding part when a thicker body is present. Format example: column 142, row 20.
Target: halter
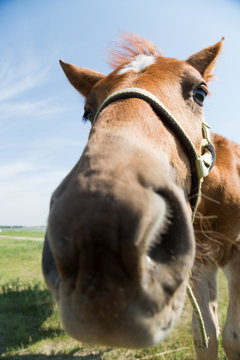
column 200, row 164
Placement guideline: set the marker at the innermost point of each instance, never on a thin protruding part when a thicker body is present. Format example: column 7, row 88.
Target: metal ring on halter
column 211, row 148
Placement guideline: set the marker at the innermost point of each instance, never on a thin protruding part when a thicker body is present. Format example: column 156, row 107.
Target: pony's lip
column 138, row 322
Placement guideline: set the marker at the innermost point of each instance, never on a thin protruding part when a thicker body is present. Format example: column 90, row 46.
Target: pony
column 120, row 242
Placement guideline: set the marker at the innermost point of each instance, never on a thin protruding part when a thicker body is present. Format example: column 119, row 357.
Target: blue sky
column 41, row 133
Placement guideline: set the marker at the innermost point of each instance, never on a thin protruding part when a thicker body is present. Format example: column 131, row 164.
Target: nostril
column 176, row 239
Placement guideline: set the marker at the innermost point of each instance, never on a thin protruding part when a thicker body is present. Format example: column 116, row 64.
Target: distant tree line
column 10, row 227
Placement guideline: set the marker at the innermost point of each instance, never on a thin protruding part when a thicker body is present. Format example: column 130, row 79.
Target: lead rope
column 209, row 159
column 200, row 166
column 203, row 335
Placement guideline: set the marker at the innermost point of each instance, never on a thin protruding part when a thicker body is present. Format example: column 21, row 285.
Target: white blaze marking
column 138, row 64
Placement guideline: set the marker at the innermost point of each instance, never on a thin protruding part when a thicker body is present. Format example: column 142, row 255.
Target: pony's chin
column 132, row 328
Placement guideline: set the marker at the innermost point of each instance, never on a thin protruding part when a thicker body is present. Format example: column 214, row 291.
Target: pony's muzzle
column 123, row 269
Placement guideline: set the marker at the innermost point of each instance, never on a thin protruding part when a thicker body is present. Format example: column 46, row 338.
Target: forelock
column 128, row 47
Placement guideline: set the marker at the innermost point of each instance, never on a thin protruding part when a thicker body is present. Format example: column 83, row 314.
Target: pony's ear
column 204, row 60
column 82, row 79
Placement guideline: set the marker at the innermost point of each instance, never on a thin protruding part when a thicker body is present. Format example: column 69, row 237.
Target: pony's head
column 119, row 243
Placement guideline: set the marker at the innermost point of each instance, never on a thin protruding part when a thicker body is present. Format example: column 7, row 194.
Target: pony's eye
column 199, row 95
column 88, row 116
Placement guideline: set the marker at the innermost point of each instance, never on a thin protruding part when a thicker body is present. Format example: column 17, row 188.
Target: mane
column 128, row 47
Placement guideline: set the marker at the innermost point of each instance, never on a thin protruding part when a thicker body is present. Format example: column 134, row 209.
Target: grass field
column 30, row 327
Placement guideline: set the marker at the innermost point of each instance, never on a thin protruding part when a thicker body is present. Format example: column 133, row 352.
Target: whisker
column 210, row 244
column 211, row 199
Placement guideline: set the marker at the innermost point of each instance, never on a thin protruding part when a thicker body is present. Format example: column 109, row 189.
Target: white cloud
column 10, row 171
column 25, row 191
column 11, row 88
column 34, row 108
column 16, row 80
column 25, row 185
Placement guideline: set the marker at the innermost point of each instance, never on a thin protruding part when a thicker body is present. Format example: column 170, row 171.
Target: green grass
column 19, row 259
column 22, row 233
column 30, row 326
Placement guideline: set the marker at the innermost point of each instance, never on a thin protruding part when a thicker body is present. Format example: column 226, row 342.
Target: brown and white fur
column 120, row 243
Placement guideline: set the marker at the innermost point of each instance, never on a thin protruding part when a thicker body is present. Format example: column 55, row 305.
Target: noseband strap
column 200, row 164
